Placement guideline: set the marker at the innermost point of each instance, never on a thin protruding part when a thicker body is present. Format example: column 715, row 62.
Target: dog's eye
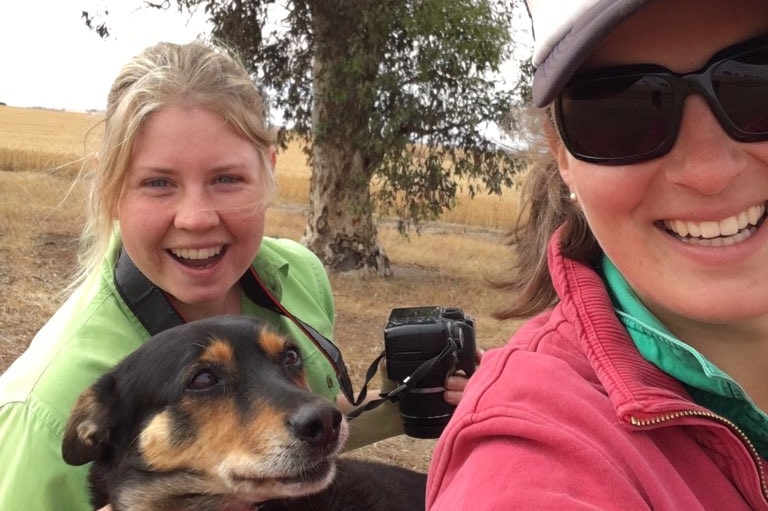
column 203, row 379
column 291, row 358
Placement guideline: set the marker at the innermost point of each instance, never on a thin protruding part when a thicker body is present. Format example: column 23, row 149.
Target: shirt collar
column 708, row 385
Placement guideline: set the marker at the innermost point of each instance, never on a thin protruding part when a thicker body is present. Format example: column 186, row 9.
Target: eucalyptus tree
column 391, row 97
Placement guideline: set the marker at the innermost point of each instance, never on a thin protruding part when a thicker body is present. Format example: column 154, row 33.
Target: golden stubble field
column 41, row 214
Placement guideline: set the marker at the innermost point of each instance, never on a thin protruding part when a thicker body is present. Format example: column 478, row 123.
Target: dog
column 216, row 415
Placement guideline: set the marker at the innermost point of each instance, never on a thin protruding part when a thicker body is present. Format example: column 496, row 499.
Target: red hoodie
column 568, row 416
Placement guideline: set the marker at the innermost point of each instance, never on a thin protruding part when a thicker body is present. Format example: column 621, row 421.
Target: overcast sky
column 50, row 59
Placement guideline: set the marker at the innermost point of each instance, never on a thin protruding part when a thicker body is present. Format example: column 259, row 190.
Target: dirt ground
column 43, row 273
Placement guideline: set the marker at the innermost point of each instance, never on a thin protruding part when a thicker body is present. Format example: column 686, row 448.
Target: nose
column 195, row 212
column 317, row 423
column 705, row 159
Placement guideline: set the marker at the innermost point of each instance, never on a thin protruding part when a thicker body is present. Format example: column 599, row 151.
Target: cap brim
column 571, row 51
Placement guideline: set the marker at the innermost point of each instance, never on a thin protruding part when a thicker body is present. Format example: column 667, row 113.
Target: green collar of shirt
column 708, row 385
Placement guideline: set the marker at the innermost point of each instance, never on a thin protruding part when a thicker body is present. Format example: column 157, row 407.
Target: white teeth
column 719, row 242
column 192, row 253
column 728, row 227
column 681, row 228
column 755, row 213
column 709, row 230
column 742, row 220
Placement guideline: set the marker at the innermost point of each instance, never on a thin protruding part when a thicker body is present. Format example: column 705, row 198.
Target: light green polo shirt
column 89, row 334
column 708, row 385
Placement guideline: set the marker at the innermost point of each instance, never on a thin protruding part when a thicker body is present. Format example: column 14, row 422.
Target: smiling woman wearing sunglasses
column 640, row 381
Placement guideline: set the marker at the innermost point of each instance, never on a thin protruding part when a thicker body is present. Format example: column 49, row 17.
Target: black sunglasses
column 630, row 114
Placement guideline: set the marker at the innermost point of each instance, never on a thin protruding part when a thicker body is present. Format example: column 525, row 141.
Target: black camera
column 436, row 341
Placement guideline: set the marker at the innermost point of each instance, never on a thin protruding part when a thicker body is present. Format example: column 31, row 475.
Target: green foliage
column 406, row 85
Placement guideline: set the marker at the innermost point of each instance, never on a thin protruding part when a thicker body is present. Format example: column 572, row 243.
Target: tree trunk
column 340, row 228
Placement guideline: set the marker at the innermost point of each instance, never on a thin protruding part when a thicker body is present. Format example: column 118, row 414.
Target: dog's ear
column 88, row 424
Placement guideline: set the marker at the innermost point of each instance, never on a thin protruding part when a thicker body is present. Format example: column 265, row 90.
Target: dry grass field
column 41, row 214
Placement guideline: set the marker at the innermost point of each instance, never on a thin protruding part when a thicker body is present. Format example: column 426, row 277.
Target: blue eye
column 156, row 183
column 226, row 180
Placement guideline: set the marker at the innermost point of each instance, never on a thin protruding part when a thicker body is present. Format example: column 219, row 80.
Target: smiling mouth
column 198, row 258
column 727, row 231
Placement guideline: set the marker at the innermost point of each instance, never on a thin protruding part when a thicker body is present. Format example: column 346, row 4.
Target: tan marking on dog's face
column 272, row 343
column 222, row 435
column 301, row 380
column 218, row 352
column 230, row 458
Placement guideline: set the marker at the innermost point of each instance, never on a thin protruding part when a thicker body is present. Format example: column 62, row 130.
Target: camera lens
column 425, row 413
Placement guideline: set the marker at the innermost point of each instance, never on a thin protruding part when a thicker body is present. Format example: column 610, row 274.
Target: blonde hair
column 545, row 206
column 166, row 74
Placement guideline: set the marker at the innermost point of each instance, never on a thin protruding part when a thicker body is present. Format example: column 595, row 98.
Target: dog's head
column 213, row 414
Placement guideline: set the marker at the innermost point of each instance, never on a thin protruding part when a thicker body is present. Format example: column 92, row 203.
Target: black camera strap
column 411, row 381
column 152, row 308
column 255, row 289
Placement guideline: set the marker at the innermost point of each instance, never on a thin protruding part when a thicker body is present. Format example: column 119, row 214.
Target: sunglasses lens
column 614, row 118
column 741, row 87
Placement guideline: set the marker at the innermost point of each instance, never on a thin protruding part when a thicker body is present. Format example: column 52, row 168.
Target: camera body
column 413, row 336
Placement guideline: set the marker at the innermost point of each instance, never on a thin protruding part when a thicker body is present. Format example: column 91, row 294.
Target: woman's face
column 191, row 210
column 706, row 182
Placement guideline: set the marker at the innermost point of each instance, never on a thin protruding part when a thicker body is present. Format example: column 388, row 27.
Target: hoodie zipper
column 717, row 418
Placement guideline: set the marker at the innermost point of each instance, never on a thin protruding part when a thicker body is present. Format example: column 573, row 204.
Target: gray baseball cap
column 564, row 33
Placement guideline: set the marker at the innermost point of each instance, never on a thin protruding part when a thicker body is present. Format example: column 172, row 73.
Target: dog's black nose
column 317, row 423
